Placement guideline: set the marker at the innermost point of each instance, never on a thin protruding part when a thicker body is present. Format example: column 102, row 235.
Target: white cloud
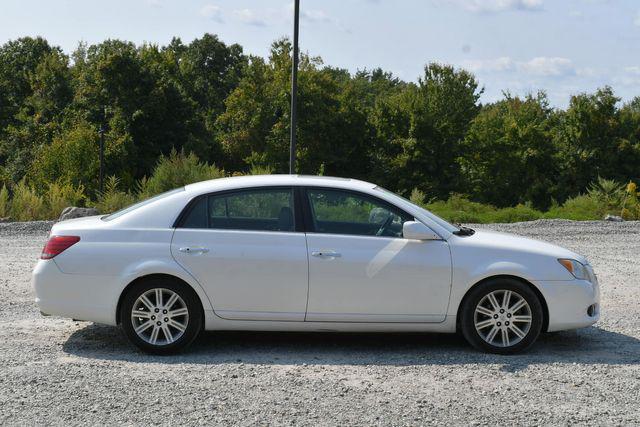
column 539, row 66
column 250, row 17
column 588, row 72
column 497, row 5
column 633, row 70
column 636, row 21
column 315, row 16
column 212, row 12
column 318, row 16
column 546, row 66
column 490, row 65
column 630, row 77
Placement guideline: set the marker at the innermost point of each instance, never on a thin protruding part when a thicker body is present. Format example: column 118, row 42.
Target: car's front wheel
column 161, row 316
column 501, row 316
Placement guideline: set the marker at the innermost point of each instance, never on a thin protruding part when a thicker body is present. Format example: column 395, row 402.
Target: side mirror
column 418, row 231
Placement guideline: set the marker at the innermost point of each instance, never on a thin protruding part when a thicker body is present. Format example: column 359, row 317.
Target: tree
column 209, row 71
column 135, row 92
column 19, row 60
column 592, row 141
column 439, row 110
column 332, row 126
column 508, row 153
column 35, row 88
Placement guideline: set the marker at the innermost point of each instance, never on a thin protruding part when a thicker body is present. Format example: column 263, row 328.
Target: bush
column 112, row 199
column 459, row 209
column 631, row 202
column 4, row 202
column 261, row 170
column 580, row 208
column 417, row 197
column 176, row 170
column 71, row 157
column 26, row 204
column 607, row 193
column 516, row 214
column 59, row 196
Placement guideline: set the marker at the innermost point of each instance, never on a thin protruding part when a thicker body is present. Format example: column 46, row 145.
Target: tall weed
column 4, row 202
column 176, row 170
column 26, row 204
column 112, row 198
column 60, row 195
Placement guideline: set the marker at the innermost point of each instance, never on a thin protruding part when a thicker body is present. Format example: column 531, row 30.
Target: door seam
column 306, row 308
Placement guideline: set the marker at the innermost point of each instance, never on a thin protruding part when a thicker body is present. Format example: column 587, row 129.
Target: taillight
column 58, row 244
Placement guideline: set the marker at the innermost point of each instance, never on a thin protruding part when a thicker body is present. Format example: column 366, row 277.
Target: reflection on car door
column 361, row 269
column 244, row 250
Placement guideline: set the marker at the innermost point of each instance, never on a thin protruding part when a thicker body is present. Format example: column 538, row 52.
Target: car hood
column 512, row 243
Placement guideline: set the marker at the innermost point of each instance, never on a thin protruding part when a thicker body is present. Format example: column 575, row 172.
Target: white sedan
column 296, row 253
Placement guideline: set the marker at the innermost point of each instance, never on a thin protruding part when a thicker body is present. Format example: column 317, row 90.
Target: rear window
column 135, row 206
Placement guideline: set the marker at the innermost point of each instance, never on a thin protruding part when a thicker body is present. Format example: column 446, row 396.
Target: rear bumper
column 74, row 296
column 572, row 304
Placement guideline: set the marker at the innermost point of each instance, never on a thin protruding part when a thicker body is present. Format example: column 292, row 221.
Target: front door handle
column 326, row 254
column 190, row 250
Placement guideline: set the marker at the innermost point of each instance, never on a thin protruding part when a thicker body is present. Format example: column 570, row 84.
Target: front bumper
column 572, row 304
column 73, row 296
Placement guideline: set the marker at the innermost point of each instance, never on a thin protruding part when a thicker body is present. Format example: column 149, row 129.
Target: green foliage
column 506, row 160
column 438, row 113
column 607, row 193
column 631, row 202
column 4, row 202
column 459, row 209
column 72, row 158
column 579, row 208
column 112, row 198
column 605, row 197
column 508, row 153
column 177, row 170
column 597, row 138
column 61, row 195
column 417, row 197
column 261, row 170
column 26, row 204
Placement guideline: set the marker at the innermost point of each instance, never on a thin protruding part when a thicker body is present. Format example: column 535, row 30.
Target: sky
column 521, row 46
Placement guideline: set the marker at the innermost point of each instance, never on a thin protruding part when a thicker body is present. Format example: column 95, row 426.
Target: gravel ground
column 57, row 371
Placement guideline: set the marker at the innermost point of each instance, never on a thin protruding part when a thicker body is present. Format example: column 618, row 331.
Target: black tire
column 478, row 293
column 194, row 319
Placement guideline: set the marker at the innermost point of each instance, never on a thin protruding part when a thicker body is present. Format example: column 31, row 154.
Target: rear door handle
column 326, row 254
column 190, row 250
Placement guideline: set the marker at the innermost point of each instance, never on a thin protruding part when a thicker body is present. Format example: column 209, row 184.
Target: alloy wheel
column 502, row 318
column 159, row 316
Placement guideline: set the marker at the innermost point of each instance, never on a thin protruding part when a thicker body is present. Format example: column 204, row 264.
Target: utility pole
column 101, row 132
column 294, row 89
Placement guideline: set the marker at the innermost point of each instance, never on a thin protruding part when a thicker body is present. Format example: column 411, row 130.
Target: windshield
column 435, row 218
column 135, row 206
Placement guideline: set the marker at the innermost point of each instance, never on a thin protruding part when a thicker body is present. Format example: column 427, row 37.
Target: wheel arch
column 153, row 276
column 543, row 302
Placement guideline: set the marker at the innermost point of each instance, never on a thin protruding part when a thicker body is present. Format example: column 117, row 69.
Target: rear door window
column 270, row 209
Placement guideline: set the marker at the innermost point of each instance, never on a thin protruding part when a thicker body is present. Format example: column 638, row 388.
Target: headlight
column 578, row 270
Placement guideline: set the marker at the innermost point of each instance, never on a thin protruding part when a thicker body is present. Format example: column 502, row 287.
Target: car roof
column 238, row 182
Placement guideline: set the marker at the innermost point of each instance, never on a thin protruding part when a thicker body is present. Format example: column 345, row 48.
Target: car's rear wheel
column 161, row 316
column 501, row 316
